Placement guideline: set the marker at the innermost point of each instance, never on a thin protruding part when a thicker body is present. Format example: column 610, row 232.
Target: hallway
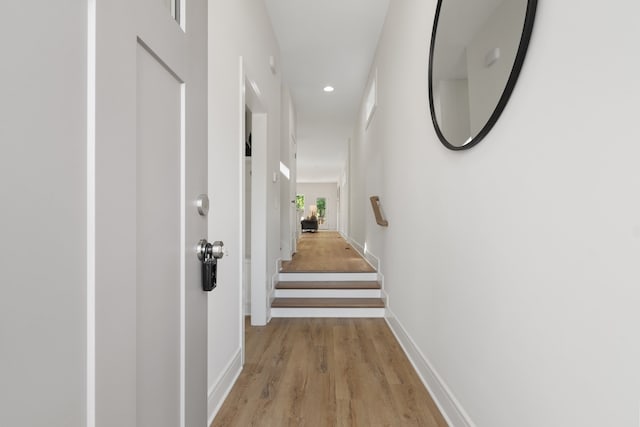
column 138, row 134
column 326, row 372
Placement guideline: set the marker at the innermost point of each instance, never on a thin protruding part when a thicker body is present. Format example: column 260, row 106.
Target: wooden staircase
column 328, row 295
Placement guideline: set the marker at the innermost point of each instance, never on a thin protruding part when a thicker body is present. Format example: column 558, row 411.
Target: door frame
column 251, row 97
column 293, row 192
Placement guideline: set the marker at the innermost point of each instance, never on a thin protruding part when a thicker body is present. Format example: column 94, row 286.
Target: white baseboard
column 219, row 391
column 370, row 258
column 449, row 406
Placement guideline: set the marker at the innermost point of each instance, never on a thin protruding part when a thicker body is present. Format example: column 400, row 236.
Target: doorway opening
column 246, row 271
column 255, row 292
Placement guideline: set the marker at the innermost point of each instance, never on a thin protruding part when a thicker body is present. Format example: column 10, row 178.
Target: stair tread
column 328, row 303
column 329, row 285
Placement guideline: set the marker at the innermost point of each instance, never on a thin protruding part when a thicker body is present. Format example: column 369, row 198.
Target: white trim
column 372, row 259
column 91, row 214
column 221, row 388
column 327, row 293
column 327, row 312
column 275, row 276
column 246, row 288
column 449, row 406
column 245, row 274
column 357, row 246
column 251, row 97
column 183, row 259
column 369, row 257
column 385, row 296
column 327, row 277
column 271, row 292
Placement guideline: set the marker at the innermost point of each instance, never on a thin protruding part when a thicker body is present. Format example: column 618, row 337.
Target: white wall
column 521, row 288
column 312, row 191
column 238, row 28
column 43, row 262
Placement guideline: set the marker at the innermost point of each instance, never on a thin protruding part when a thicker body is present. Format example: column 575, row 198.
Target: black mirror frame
column 527, row 29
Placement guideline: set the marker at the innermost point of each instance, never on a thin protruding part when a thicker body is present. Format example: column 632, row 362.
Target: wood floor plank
column 326, row 372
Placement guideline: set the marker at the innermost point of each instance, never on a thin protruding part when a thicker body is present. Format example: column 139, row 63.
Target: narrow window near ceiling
column 372, row 100
column 174, row 8
column 284, row 170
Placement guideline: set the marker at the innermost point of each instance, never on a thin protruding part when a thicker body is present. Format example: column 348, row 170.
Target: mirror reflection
column 477, row 50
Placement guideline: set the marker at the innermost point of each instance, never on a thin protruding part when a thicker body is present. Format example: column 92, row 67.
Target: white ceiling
column 327, row 42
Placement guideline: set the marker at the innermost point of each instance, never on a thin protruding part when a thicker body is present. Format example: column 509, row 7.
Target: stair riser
column 326, row 277
column 328, row 293
column 328, row 312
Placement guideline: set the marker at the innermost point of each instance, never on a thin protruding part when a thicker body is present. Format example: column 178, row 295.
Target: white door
column 152, row 54
column 102, row 155
column 171, row 306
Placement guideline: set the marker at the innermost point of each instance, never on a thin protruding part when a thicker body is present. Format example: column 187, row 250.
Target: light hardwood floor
column 327, row 372
column 323, row 252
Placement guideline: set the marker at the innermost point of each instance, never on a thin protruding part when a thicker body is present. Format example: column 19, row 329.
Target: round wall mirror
column 477, row 51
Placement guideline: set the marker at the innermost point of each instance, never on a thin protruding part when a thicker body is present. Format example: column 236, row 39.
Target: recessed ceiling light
column 328, row 89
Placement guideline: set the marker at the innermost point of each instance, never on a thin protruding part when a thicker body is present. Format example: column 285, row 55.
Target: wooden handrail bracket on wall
column 375, row 204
